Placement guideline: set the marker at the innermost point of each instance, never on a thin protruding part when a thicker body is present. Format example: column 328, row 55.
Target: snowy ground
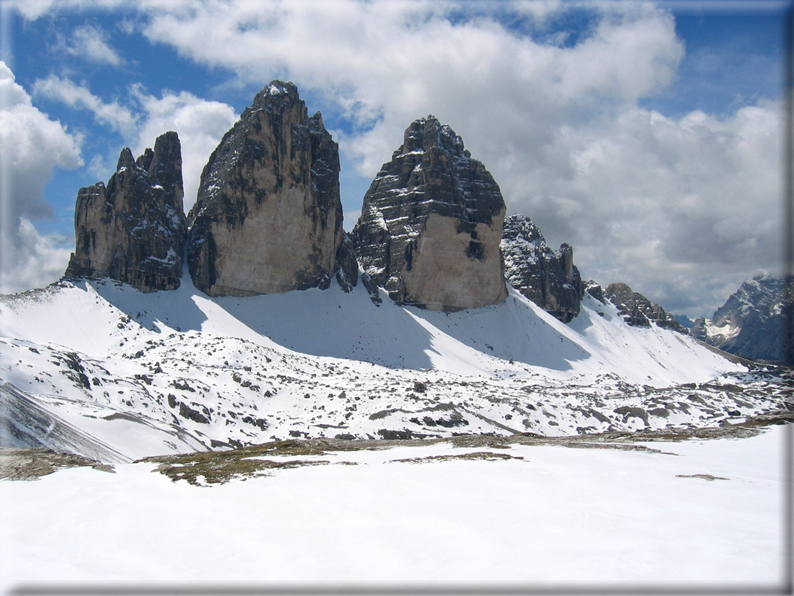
column 697, row 514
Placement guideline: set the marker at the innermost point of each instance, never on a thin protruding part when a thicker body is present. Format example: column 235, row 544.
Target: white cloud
column 91, row 43
column 200, row 125
column 31, row 260
column 113, row 114
column 31, row 147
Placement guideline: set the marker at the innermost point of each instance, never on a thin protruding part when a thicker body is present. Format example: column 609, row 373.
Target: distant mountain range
column 753, row 321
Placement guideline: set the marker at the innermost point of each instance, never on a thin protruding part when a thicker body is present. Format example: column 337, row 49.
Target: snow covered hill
column 171, row 372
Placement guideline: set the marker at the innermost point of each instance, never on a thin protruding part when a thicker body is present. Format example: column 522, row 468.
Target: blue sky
column 645, row 135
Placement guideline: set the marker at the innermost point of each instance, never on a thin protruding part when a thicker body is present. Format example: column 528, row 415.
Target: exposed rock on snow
column 638, row 310
column 134, row 229
column 752, row 322
column 548, row 278
column 431, row 224
column 268, row 217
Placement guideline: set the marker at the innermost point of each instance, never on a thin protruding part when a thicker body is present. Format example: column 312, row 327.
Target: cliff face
column 134, row 229
column 548, row 278
column 431, row 224
column 268, row 217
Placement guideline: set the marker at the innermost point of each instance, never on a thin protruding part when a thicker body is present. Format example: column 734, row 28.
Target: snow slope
column 176, row 371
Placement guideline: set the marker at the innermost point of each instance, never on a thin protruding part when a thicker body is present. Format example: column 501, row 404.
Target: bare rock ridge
column 431, row 224
column 268, row 217
column 134, row 229
column 547, row 277
column 636, row 309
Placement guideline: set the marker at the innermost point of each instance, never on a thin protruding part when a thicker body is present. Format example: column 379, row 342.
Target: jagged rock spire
column 134, row 229
column 548, row 278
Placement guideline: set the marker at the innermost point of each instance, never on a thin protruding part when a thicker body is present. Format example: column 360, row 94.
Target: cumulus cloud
column 200, row 125
column 142, row 117
column 90, row 43
column 31, row 147
column 112, row 114
column 31, row 260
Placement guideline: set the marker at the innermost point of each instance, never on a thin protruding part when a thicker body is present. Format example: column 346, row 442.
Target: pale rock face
column 268, row 216
column 134, row 229
column 431, row 224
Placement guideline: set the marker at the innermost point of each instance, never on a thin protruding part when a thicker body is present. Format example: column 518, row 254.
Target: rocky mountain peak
column 548, row 278
column 753, row 321
column 268, row 217
column 134, row 229
column 431, row 224
column 637, row 310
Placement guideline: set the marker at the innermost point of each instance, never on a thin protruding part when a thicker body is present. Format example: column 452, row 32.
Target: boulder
column 548, row 278
column 134, row 229
column 268, row 217
column 431, row 224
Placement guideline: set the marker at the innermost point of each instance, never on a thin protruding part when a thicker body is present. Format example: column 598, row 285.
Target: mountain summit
column 431, row 224
column 752, row 322
column 134, row 229
column 268, row 217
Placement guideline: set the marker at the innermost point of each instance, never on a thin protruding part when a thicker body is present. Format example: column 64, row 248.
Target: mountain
column 268, row 217
column 638, row 310
column 548, row 278
column 752, row 322
column 433, row 344
column 134, row 229
column 431, row 224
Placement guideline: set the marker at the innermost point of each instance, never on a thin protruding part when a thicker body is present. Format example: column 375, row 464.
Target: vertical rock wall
column 268, row 216
column 431, row 224
column 134, row 229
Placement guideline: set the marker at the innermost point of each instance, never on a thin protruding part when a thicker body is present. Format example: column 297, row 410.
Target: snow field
column 558, row 516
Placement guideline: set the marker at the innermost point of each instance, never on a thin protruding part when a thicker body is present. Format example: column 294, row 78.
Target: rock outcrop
column 637, row 310
column 134, row 229
column 431, row 224
column 547, row 277
column 753, row 321
column 268, row 217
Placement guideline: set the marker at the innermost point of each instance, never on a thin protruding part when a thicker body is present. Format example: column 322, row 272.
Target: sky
column 645, row 135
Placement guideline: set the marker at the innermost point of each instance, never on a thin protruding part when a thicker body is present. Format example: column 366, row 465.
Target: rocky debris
column 753, row 321
column 268, row 217
column 431, row 224
column 134, row 229
column 637, row 310
column 547, row 277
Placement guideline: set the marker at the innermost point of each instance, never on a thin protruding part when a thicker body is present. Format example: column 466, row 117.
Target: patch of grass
column 474, row 456
column 32, row 464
